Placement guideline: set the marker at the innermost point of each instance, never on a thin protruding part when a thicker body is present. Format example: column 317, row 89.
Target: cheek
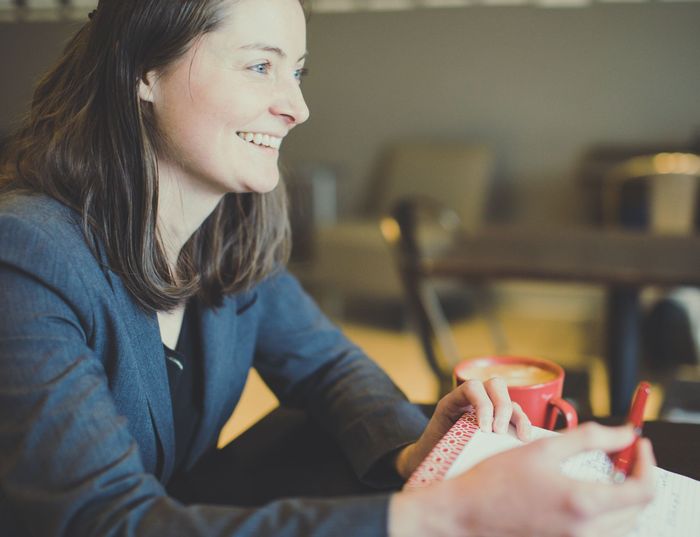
column 244, row 115
column 223, row 103
column 200, row 116
column 196, row 125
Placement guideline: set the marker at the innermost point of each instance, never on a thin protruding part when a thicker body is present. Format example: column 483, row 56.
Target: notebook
column 674, row 512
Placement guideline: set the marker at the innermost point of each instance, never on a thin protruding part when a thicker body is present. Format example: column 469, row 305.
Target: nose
column 290, row 104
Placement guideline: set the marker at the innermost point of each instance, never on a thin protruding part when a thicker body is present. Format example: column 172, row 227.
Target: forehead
column 276, row 23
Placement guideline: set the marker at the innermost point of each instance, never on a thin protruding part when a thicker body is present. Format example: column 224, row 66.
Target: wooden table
column 623, row 262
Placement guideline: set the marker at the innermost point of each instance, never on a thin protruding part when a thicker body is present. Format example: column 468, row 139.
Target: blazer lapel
column 217, row 332
column 144, row 334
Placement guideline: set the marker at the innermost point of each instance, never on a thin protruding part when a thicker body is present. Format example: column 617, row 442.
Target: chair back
column 457, row 175
column 401, row 228
column 656, row 192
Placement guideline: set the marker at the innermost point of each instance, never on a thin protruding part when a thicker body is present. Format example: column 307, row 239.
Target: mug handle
column 566, row 409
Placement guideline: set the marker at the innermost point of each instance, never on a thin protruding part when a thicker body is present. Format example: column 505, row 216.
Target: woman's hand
column 522, row 492
column 494, row 411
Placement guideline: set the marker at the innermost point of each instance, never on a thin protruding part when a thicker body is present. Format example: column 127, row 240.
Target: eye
column 301, row 73
column 262, row 68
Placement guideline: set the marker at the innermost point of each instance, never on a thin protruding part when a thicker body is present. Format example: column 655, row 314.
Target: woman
column 142, row 235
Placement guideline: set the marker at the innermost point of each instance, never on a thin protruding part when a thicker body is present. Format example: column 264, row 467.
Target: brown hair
column 90, row 142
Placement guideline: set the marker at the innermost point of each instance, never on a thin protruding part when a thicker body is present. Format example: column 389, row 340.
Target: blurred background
column 526, row 105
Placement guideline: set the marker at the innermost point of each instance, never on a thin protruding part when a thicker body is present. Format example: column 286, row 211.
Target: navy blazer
column 87, row 442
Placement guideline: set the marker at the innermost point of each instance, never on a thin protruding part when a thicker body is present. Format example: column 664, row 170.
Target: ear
column 147, row 86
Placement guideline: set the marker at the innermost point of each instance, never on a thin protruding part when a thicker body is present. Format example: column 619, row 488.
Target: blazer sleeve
column 310, row 364
column 68, row 464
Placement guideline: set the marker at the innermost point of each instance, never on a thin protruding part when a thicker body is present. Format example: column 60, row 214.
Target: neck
column 181, row 211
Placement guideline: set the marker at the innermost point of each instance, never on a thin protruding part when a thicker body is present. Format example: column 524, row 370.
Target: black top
column 185, row 377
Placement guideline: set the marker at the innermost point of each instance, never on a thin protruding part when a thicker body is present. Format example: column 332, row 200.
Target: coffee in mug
column 513, row 374
column 534, row 383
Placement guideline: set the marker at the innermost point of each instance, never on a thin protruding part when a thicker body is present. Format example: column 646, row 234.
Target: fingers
column 492, row 404
column 614, row 523
column 604, row 497
column 589, row 436
column 475, row 393
column 644, row 461
column 634, row 494
column 523, row 427
column 621, row 523
column 497, row 391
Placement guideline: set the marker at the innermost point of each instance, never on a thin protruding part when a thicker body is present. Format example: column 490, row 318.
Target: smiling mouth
column 262, row 140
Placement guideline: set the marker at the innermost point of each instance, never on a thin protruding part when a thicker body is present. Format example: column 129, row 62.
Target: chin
column 262, row 185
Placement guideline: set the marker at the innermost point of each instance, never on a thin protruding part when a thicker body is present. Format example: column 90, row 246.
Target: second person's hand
column 523, row 492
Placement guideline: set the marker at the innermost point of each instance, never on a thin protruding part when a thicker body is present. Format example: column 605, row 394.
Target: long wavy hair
column 91, row 143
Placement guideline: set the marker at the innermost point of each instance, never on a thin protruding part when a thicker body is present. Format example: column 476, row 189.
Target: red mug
column 536, row 385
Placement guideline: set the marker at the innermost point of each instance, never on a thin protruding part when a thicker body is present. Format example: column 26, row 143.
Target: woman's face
column 227, row 104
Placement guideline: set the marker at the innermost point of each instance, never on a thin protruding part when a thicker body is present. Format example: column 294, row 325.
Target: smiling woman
column 228, row 101
column 125, row 137
column 143, row 236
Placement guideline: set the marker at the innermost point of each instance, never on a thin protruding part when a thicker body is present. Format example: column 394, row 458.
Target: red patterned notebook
column 445, row 452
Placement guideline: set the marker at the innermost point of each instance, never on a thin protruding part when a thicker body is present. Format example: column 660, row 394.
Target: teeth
column 261, row 139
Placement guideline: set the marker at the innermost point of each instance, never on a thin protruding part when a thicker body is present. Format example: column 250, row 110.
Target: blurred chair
column 655, row 192
column 351, row 259
column 413, row 223
column 660, row 193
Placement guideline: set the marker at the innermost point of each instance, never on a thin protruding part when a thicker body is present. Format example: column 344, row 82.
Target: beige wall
column 26, row 51
column 540, row 86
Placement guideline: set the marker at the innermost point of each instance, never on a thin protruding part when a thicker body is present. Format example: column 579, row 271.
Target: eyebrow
column 269, row 48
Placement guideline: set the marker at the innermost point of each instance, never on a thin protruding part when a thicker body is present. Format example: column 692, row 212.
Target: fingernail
column 486, row 425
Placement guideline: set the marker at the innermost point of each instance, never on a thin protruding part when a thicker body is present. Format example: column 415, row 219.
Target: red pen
column 622, row 460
